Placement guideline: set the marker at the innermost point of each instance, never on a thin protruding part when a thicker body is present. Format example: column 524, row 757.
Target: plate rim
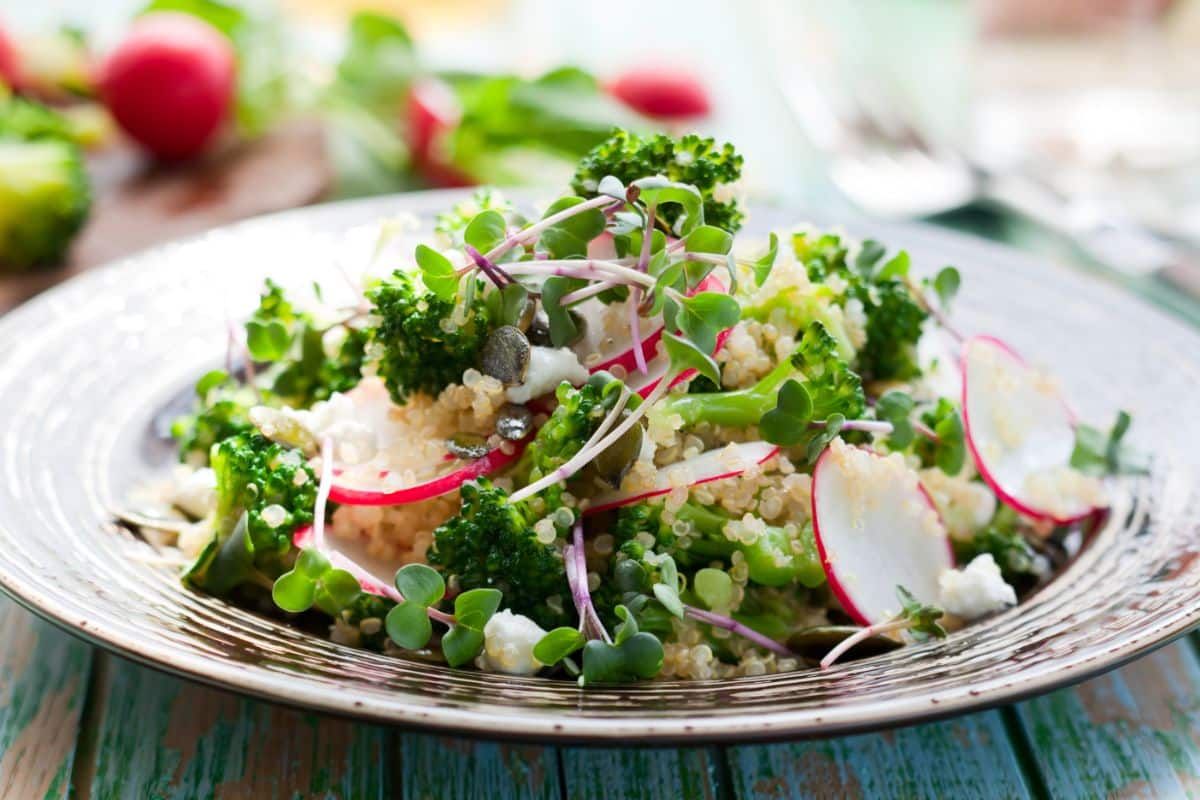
column 531, row 724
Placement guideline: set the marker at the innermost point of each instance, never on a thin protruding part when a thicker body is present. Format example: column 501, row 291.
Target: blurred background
column 1069, row 127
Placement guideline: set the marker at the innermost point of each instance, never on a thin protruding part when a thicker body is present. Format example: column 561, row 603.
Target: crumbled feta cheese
column 194, row 491
column 508, row 641
column 977, row 590
column 337, row 418
column 548, row 367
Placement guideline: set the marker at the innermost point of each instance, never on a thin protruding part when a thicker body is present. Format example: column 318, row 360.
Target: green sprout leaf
column 557, row 645
column 714, row 587
column 704, row 315
column 764, row 264
column 461, row 645
column 506, row 306
column 817, row 445
column 337, row 590
column 923, row 618
column 210, row 381
column 473, row 608
column 563, row 327
column 869, row 256
column 896, row 407
column 685, row 355
column 949, row 451
column 486, row 230
column 1099, row 453
column 945, row 285
column 612, row 187
column 897, row 268
column 787, row 423
column 408, row 625
column 420, row 584
column 659, row 191
column 294, row 592
column 267, row 341
column 707, row 239
column 637, row 658
column 437, row 273
column 569, row 238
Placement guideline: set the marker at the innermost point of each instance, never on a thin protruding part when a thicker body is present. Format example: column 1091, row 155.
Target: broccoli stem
column 739, row 408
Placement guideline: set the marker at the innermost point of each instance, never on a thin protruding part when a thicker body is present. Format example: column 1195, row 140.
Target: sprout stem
column 587, row 292
column 323, row 490
column 589, row 269
column 926, row 431
column 732, row 625
column 865, row 425
column 936, row 313
column 497, row 275
column 533, row 231
column 577, row 578
column 860, row 635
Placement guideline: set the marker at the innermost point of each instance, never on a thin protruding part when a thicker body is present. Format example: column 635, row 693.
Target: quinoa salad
column 614, row 440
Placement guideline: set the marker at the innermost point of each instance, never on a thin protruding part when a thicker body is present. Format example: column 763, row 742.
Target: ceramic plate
column 87, row 369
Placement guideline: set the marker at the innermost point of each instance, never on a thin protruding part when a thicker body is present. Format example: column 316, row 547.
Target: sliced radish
column 876, row 529
column 1021, row 433
column 729, row 461
column 368, row 577
column 360, row 494
column 595, row 335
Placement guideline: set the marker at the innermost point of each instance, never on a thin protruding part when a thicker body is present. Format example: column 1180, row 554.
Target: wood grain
column 159, row 737
column 964, row 758
column 606, row 774
column 1131, row 733
column 444, row 768
column 43, row 683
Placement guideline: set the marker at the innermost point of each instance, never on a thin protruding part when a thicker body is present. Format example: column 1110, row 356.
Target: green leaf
column 557, row 645
column 585, row 226
column 507, row 305
column 294, row 592
column 707, row 239
column 684, row 356
column 267, row 341
column 378, row 63
column 460, row 645
column 817, row 445
column 787, row 423
column 312, row 563
column 638, row 658
column 924, row 618
column 408, row 625
column 486, row 230
column 473, row 608
column 1097, row 453
column 210, row 381
column 897, row 268
column 869, row 255
column 437, row 273
column 420, row 584
column 896, row 407
column 714, row 587
column 612, row 187
column 946, row 284
column 704, row 315
column 659, row 191
column 669, row 597
column 563, row 327
column 336, row 591
column 628, row 627
column 764, row 264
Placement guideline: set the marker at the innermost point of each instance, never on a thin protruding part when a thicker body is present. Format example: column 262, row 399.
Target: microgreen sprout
column 919, row 619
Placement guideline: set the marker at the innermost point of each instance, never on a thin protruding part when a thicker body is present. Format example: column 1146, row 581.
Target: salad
column 615, row 441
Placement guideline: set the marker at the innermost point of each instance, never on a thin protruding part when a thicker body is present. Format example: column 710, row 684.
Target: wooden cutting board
column 137, row 204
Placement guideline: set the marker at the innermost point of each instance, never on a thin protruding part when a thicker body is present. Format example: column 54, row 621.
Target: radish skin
column 492, row 462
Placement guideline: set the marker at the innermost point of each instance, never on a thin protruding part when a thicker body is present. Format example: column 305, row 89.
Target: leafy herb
column 1099, row 453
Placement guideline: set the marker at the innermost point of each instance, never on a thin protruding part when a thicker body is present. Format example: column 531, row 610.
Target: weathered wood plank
column 607, row 774
column 43, row 685
column 448, row 768
column 160, row 737
column 970, row 757
column 1131, row 733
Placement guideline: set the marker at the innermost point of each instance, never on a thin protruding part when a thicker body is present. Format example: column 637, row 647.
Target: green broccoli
column 692, row 160
column 816, row 363
column 771, row 559
column 492, row 544
column 222, row 412
column 894, row 316
column 44, row 193
column 294, row 343
column 261, row 501
column 425, row 345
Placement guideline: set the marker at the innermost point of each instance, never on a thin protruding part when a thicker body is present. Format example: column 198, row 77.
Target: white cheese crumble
column 976, row 590
column 548, row 367
column 335, row 418
column 508, row 641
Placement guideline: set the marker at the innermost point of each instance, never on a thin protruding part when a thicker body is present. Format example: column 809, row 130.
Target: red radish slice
column 368, row 580
column 731, row 460
column 876, row 529
column 1021, row 433
column 594, row 311
column 494, row 461
column 662, row 93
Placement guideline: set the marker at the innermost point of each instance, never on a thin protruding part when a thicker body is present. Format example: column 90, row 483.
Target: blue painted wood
column 606, row 774
column 447, row 768
column 970, row 757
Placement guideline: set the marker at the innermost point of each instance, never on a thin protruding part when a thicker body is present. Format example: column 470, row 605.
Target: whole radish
column 667, row 94
column 170, row 84
column 433, row 113
column 9, row 60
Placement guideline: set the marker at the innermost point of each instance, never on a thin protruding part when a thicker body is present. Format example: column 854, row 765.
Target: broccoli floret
column 894, row 316
column 693, row 160
column 425, row 345
column 44, row 200
column 832, row 385
column 700, row 540
column 492, row 544
column 222, row 413
column 578, row 414
column 249, row 541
